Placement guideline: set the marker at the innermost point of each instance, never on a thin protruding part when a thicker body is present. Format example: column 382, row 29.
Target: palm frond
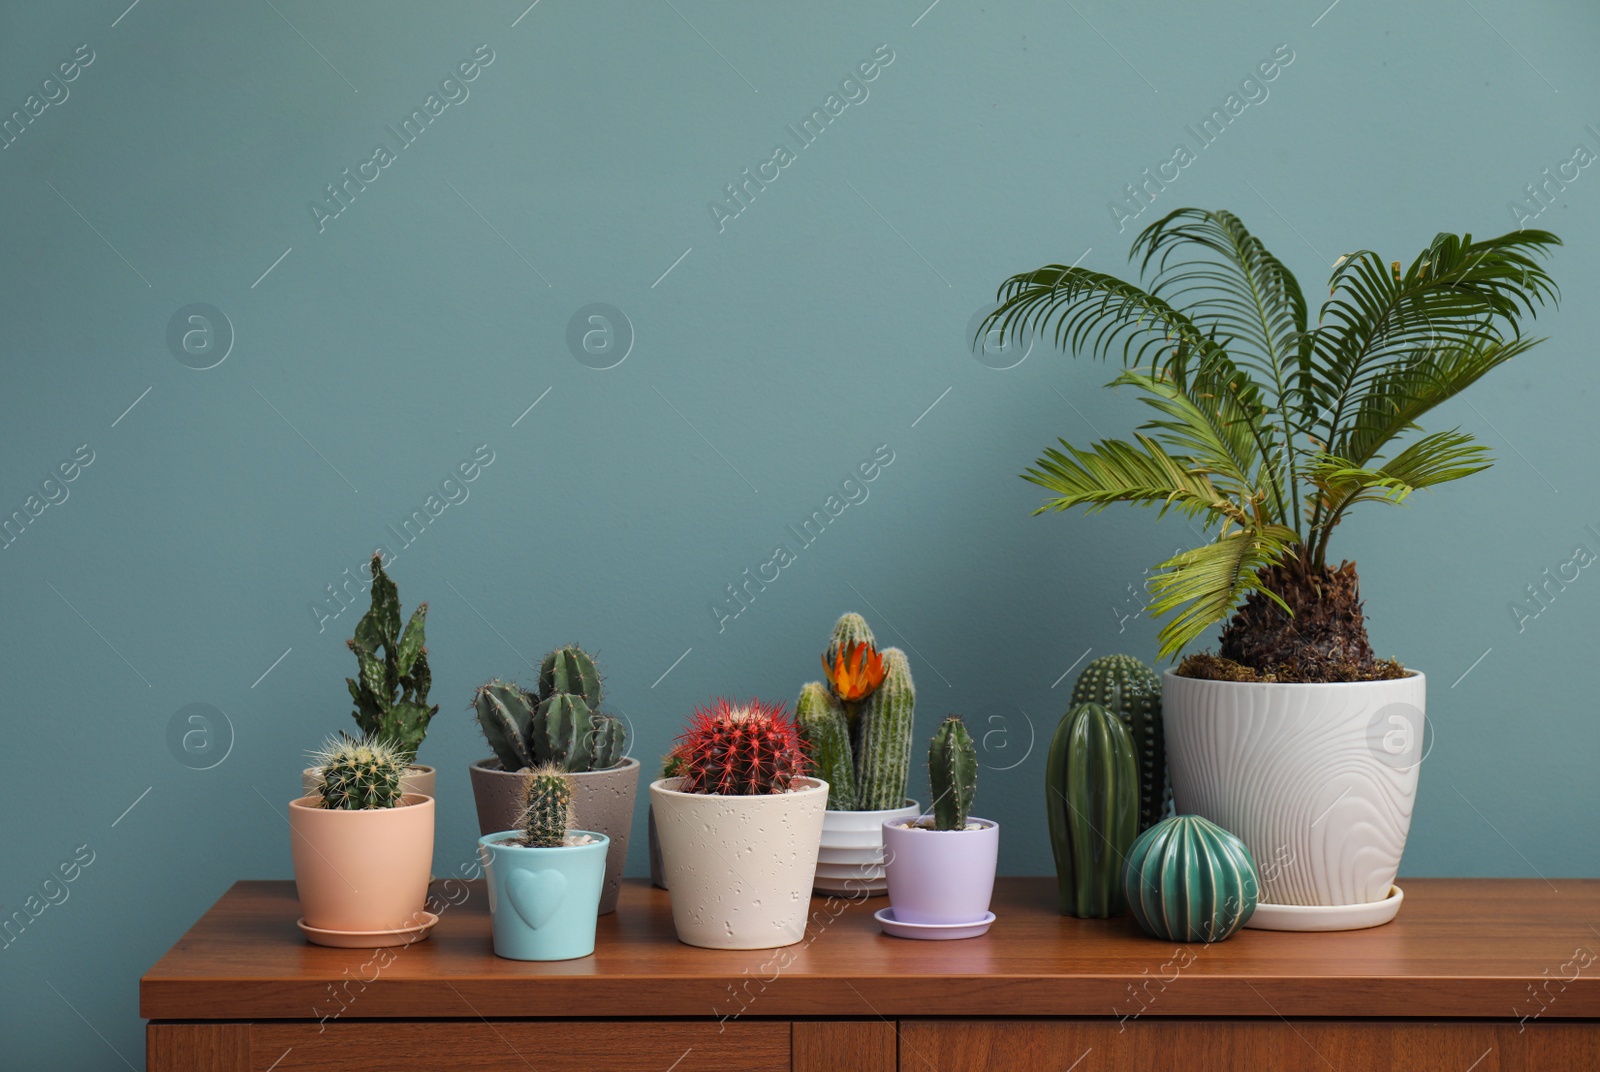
column 1395, row 400
column 1433, row 459
column 1114, row 471
column 1094, row 312
column 1204, row 584
column 1233, row 288
column 1456, row 294
column 1213, row 420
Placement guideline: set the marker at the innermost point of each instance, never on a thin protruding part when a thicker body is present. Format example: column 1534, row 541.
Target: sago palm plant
column 1269, row 428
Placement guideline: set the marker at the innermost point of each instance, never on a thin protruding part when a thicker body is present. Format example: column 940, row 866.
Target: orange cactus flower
column 856, row 672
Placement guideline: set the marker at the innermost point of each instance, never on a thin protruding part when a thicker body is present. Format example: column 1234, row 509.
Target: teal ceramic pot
column 543, row 902
column 1188, row 880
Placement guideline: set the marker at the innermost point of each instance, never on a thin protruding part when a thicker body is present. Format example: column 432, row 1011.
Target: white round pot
column 1317, row 779
column 850, row 858
column 739, row 868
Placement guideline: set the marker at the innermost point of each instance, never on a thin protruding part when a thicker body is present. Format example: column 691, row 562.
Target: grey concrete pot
column 602, row 801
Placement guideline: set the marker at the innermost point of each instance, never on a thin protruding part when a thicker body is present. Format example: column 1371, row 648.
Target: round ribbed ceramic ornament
column 1188, row 880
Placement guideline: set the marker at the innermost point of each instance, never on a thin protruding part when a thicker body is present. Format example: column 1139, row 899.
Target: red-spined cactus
column 740, row 750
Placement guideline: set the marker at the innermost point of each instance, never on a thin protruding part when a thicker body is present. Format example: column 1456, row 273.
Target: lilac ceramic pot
column 940, row 876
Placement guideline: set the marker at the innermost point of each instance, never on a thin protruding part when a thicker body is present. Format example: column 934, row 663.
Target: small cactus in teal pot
column 547, row 812
column 1092, row 801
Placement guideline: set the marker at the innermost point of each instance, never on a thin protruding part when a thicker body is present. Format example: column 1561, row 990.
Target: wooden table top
column 1460, row 948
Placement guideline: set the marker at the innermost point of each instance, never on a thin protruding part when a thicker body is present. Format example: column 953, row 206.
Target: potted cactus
column 739, row 827
column 1268, row 428
column 391, row 689
column 560, row 724
column 941, row 867
column 362, row 848
column 858, row 727
column 544, row 876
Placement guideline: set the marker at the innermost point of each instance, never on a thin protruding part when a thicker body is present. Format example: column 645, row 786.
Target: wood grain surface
column 1486, row 948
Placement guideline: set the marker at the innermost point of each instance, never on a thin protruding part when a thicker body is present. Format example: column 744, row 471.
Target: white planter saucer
column 369, row 939
column 937, row 932
column 1355, row 917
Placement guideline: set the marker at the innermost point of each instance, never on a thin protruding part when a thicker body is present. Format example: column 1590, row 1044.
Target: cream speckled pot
column 739, row 868
column 1318, row 780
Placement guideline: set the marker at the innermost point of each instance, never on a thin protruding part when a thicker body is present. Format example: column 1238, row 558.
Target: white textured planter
column 850, row 859
column 1317, row 779
column 739, row 868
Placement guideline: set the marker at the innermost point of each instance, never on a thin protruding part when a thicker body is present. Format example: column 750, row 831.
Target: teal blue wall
column 783, row 349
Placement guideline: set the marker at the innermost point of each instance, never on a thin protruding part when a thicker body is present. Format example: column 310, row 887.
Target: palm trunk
column 1323, row 639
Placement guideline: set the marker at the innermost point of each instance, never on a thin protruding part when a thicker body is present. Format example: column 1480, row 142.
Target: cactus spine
column 358, row 774
column 883, row 755
column 824, row 724
column 547, row 812
column 1132, row 692
column 391, row 695
column 859, row 725
column 562, row 724
column 1092, row 799
column 952, row 774
column 740, row 750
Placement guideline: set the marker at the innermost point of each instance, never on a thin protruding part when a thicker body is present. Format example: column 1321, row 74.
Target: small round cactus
column 356, row 774
column 547, row 812
column 740, row 750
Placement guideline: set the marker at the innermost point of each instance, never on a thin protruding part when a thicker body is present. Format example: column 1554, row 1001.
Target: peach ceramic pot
column 362, row 870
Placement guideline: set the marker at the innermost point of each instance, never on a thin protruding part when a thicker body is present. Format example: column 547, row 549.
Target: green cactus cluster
column 547, row 810
column 952, row 774
column 560, row 724
column 391, row 692
column 1131, row 690
column 355, row 774
column 859, row 729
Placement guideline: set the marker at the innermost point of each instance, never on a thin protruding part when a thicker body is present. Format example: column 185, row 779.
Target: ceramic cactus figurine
column 561, row 724
column 357, row 774
column 823, row 723
column 391, row 693
column 740, row 750
column 860, row 723
column 547, row 808
column 952, row 774
column 883, row 752
column 1092, row 800
column 1188, row 880
column 1132, row 692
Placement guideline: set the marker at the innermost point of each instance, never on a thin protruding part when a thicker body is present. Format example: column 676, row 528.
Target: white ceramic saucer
column 1355, row 917
column 937, row 932
column 368, row 939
